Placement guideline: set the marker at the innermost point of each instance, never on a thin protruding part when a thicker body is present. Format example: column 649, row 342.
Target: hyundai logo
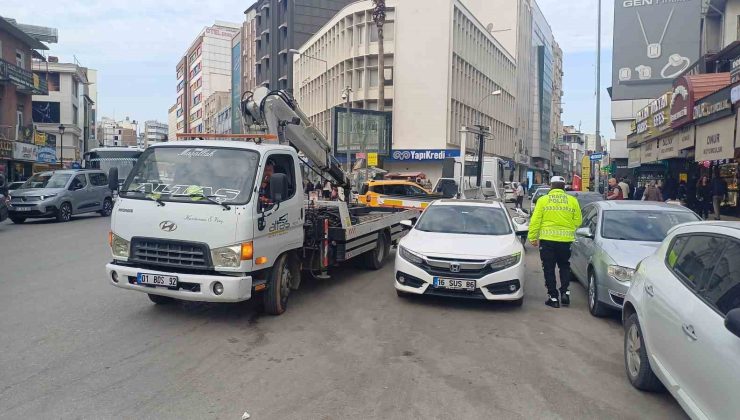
column 454, row 267
column 168, row 226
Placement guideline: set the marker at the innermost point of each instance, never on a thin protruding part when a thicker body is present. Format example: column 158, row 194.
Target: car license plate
column 22, row 208
column 157, row 280
column 455, row 284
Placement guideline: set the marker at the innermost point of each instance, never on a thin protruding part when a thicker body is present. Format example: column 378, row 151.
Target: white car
column 682, row 319
column 463, row 248
column 509, row 193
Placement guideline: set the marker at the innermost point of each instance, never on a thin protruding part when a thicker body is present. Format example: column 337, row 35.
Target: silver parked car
column 682, row 320
column 61, row 194
column 613, row 238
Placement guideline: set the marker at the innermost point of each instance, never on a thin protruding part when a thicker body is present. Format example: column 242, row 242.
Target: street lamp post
column 326, row 76
column 481, row 138
column 61, row 145
column 348, row 124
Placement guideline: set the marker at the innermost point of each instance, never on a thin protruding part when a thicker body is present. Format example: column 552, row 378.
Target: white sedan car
column 682, row 319
column 463, row 248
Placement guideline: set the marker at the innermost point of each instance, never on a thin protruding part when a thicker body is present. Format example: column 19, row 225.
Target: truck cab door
column 279, row 225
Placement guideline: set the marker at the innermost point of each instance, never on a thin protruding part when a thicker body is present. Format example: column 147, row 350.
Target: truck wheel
column 374, row 259
column 282, row 276
column 17, row 220
column 160, row 300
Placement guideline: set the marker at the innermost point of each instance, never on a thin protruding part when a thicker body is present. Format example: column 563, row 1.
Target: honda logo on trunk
column 454, row 267
column 168, row 226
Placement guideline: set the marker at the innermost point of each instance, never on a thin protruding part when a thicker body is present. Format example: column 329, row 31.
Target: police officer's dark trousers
column 552, row 253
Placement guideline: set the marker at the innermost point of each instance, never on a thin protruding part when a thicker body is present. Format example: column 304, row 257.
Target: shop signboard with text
column 633, row 159
column 668, row 147
column 6, row 149
column 25, row 151
column 423, row 155
column 585, row 173
column 686, row 138
column 713, row 107
column 649, row 152
column 716, row 140
column 46, row 155
column 682, row 103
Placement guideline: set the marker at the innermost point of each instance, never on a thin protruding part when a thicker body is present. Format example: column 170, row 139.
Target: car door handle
column 689, row 331
column 649, row 290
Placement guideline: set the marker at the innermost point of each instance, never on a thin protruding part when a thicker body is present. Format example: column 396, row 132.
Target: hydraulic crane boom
column 280, row 115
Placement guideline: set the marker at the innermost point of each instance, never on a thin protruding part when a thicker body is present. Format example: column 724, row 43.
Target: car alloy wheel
column 65, row 212
column 107, row 207
column 591, row 291
column 632, row 349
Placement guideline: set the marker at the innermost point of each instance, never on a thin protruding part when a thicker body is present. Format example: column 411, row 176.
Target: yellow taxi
column 395, row 193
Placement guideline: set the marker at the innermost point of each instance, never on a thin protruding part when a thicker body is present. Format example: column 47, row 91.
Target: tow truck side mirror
column 407, row 224
column 278, row 187
column 113, row 179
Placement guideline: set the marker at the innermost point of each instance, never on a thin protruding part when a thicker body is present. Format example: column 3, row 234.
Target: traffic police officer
column 552, row 227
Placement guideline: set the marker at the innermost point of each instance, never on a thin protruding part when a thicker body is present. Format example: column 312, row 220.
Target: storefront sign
column 735, row 94
column 735, row 70
column 421, row 155
column 716, row 140
column 712, row 107
column 46, row 155
column 668, row 147
column 372, row 159
column 51, row 140
column 686, row 138
column 633, row 159
column 681, row 108
column 25, row 151
column 585, row 173
column 649, row 152
column 39, row 139
column 6, row 149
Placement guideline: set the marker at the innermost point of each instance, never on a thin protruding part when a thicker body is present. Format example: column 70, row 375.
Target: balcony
column 24, row 80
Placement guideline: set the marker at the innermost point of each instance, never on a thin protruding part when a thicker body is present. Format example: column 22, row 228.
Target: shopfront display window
column 729, row 172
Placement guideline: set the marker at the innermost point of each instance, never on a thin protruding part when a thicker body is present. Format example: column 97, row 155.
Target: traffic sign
column 597, row 156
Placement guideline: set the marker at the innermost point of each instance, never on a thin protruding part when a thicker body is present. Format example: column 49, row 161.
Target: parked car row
column 60, row 194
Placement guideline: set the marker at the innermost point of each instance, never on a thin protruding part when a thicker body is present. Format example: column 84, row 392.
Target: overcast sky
column 135, row 44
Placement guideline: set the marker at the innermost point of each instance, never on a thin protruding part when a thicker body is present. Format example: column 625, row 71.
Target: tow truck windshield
column 193, row 174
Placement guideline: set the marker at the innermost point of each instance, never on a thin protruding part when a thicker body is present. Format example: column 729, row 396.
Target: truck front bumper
column 193, row 287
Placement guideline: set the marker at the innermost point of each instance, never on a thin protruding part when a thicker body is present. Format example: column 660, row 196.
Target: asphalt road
column 72, row 346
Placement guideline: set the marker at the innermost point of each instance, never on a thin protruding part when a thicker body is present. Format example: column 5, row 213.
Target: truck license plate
column 455, row 284
column 157, row 280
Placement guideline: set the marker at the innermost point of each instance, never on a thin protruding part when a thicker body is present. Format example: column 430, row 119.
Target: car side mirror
column 407, row 224
column 113, row 179
column 732, row 321
column 278, row 188
column 584, row 232
column 521, row 227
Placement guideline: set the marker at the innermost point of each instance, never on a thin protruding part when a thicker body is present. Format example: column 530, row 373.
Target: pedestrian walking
column 703, row 197
column 719, row 192
column 615, row 191
column 519, row 193
column 552, row 228
column 652, row 193
column 625, row 187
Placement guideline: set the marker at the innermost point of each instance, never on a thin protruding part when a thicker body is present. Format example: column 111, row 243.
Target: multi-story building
column 249, row 49
column 205, row 68
column 223, row 120
column 92, row 79
column 575, row 142
column 172, row 123
column 18, row 83
column 118, row 133
column 427, row 108
column 542, row 92
column 68, row 103
column 282, row 25
column 556, row 116
column 592, row 145
column 213, row 104
column 155, row 132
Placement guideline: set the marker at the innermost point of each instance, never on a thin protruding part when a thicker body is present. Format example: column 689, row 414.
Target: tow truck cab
column 195, row 217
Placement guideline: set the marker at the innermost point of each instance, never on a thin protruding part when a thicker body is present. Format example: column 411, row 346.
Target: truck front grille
column 169, row 253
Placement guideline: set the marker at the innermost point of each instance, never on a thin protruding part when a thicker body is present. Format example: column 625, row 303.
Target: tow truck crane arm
column 279, row 113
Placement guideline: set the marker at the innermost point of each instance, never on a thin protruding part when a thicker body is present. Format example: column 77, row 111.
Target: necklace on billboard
column 654, row 50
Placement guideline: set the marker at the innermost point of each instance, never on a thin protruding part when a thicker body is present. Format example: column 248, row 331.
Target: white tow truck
column 218, row 220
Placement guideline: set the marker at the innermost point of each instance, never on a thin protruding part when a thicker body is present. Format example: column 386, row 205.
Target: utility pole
column 348, row 125
column 598, row 96
column 379, row 19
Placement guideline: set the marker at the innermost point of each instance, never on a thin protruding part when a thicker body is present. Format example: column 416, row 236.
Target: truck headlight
column 619, row 273
column 119, row 246
column 410, row 256
column 231, row 256
column 498, row 264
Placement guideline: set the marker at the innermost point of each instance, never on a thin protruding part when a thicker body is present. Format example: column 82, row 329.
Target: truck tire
column 281, row 279
column 375, row 259
column 160, row 300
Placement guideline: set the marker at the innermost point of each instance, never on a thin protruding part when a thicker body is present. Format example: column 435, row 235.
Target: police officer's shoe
column 552, row 302
column 565, row 298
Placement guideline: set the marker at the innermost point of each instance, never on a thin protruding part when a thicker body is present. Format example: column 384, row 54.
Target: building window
column 180, row 85
column 75, row 89
column 373, row 75
column 20, row 59
column 74, row 115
